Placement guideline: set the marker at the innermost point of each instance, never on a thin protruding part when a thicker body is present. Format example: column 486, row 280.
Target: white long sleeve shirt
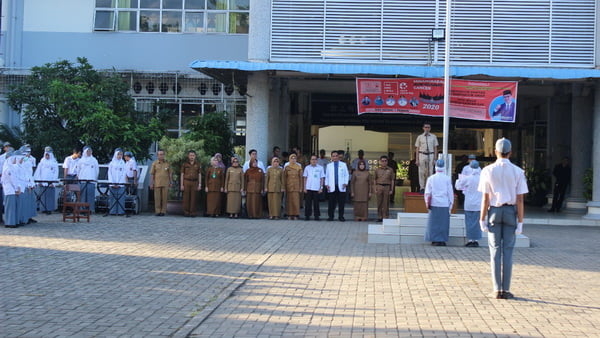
column 439, row 187
column 469, row 184
column 87, row 168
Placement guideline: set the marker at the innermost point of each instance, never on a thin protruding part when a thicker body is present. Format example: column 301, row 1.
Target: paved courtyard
column 203, row 277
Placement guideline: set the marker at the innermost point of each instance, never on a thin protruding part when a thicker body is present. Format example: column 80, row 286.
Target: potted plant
column 588, row 180
column 402, row 172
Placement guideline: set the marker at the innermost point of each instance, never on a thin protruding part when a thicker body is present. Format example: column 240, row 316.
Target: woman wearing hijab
column 234, row 183
column 47, row 170
column 361, row 189
column 26, row 205
column 215, row 179
column 11, row 189
column 253, row 186
column 274, row 188
column 439, row 197
column 87, row 172
column 292, row 183
column 116, row 176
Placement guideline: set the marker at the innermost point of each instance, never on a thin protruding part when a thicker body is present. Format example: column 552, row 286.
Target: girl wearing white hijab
column 87, row 170
column 47, row 170
column 11, row 190
column 116, row 174
column 439, row 197
column 26, row 200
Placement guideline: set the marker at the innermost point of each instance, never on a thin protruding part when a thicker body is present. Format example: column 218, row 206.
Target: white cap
column 503, row 146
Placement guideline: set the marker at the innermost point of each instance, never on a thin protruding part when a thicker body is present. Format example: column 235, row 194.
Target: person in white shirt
column 47, row 170
column 468, row 184
column 117, row 174
column 6, row 147
column 11, row 189
column 69, row 165
column 503, row 185
column 131, row 171
column 314, row 179
column 253, row 155
column 425, row 148
column 87, row 172
column 439, row 197
column 28, row 161
column 27, row 204
column 337, row 178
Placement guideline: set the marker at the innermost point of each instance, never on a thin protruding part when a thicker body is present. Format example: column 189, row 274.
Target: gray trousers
column 501, row 241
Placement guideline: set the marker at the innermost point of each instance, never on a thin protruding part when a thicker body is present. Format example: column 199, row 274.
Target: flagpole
column 446, row 126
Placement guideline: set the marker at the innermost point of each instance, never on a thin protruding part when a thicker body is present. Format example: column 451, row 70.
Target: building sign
column 469, row 99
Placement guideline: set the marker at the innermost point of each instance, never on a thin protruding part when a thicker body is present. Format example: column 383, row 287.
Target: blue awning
column 210, row 67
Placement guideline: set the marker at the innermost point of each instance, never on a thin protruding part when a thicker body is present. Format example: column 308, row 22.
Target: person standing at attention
column 314, row 179
column 562, row 174
column 160, row 181
column 191, row 183
column 385, row 180
column 503, row 185
column 439, row 197
column 468, row 184
column 425, row 147
column 336, row 181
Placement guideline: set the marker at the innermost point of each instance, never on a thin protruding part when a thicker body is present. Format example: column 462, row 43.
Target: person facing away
column 562, row 175
column 503, row 186
column 468, row 184
column 439, row 198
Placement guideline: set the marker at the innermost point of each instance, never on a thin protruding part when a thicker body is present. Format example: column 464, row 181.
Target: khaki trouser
column 189, row 197
column 383, row 201
column 425, row 168
column 160, row 199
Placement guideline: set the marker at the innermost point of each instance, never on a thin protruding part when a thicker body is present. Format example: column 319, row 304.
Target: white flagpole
column 446, row 87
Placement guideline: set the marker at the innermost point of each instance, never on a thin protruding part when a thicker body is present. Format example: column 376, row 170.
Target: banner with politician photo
column 469, row 99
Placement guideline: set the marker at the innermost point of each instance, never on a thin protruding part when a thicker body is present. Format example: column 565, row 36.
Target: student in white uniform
column 11, row 190
column 117, row 174
column 27, row 205
column 87, row 169
column 47, row 170
column 70, row 165
column 469, row 183
column 131, row 171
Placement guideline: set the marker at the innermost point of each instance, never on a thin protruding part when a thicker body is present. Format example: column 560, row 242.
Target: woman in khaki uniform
column 215, row 179
column 292, row 183
column 253, row 186
column 361, row 187
column 274, row 188
column 234, row 183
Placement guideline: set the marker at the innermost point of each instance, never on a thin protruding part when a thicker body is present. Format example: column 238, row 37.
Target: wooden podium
column 415, row 202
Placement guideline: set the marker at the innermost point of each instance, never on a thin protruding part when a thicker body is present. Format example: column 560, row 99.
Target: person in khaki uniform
column 234, row 183
column 292, row 182
column 214, row 187
column 160, row 181
column 385, row 180
column 191, row 183
column 274, row 188
column 361, row 189
column 426, row 149
column 254, row 187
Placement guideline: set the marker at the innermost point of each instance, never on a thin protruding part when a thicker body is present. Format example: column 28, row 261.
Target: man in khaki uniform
column 160, row 181
column 191, row 183
column 385, row 180
column 426, row 150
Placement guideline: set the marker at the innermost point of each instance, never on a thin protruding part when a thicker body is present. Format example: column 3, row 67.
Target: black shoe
column 31, row 220
column 307, row 218
column 557, row 210
column 317, row 218
column 330, row 219
column 435, row 243
column 342, row 219
column 161, row 214
column 551, row 210
column 380, row 220
column 498, row 294
column 442, row 243
column 507, row 295
column 158, row 214
column 11, row 226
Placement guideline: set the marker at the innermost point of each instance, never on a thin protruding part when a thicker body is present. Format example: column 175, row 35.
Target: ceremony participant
column 413, row 176
column 314, row 179
column 219, row 158
column 214, row 187
column 11, row 188
column 87, row 172
column 28, row 205
column 276, row 153
column 191, row 183
column 161, row 179
column 426, row 150
column 385, row 180
column 337, row 178
column 274, row 188
column 439, row 197
column 322, row 160
column 117, row 175
column 361, row 189
column 47, row 170
column 131, row 171
column 468, row 184
column 234, row 184
column 70, row 165
column 394, row 165
column 361, row 157
column 292, row 183
column 254, row 187
column 503, row 185
column 562, row 176
column 254, row 155
column 28, row 161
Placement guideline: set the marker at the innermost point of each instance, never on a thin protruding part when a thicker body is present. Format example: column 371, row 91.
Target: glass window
column 149, row 3
column 105, row 3
column 216, row 4
column 127, row 21
column 238, row 23
column 194, row 4
column 194, row 22
column 128, row 4
column 171, row 22
column 239, row 5
column 105, row 20
column 172, row 4
column 149, row 21
column 189, row 111
column 216, row 22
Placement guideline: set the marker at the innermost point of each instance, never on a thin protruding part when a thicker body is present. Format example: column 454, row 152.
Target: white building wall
column 59, row 16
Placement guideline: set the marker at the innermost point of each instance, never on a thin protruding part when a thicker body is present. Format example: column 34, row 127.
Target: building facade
column 285, row 68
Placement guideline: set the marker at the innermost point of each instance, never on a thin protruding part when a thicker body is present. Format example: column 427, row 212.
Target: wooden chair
column 74, row 210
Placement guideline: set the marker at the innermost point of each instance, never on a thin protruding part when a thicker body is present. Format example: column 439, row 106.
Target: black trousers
column 558, row 196
column 337, row 197
column 311, row 201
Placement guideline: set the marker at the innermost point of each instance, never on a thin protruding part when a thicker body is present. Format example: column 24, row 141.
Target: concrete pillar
column 274, row 120
column 257, row 115
column 581, row 147
column 594, row 205
column 260, row 29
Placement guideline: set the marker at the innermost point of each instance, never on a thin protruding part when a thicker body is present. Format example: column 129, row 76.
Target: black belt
column 385, row 185
column 504, row 205
column 191, row 179
column 425, row 153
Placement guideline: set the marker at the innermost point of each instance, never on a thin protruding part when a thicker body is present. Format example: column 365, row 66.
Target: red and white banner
column 469, row 99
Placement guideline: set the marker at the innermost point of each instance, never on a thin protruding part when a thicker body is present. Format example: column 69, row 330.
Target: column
column 257, row 115
column 260, row 30
column 594, row 205
column 581, row 146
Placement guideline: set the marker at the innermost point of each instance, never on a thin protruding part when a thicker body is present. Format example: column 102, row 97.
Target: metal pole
column 446, row 85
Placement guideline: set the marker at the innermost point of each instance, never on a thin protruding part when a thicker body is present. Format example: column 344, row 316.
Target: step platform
column 409, row 228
